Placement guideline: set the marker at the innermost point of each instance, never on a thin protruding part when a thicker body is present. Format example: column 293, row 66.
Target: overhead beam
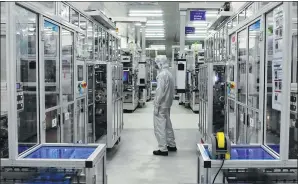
column 130, row 19
column 200, row 5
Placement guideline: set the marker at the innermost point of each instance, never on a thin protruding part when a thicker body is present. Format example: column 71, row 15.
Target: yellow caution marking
column 220, row 139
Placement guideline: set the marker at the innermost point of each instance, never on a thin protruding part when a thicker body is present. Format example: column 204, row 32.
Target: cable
column 223, row 161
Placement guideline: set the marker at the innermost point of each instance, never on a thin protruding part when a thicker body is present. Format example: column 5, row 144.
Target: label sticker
column 251, row 122
column 66, row 116
column 241, row 117
column 54, row 122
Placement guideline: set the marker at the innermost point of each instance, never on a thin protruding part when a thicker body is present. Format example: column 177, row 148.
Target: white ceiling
column 170, row 17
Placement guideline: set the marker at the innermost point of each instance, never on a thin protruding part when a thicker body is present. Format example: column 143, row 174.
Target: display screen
column 125, row 76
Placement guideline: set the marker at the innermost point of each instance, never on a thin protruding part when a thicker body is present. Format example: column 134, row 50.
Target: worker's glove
column 156, row 109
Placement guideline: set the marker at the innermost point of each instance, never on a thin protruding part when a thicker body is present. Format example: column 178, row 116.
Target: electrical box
column 181, row 76
column 142, row 74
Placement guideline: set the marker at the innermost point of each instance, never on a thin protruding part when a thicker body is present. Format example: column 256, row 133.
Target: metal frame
column 91, row 164
column 11, row 66
column 285, row 112
column 208, row 167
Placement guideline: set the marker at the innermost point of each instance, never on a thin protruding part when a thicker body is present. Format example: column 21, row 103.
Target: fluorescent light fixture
column 155, row 21
column 145, row 11
column 200, row 31
column 154, row 35
column 138, row 24
column 154, row 31
column 145, row 15
column 151, row 36
column 156, row 24
column 195, row 36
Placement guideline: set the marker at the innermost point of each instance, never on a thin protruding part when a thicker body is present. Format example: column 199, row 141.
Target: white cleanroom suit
column 162, row 106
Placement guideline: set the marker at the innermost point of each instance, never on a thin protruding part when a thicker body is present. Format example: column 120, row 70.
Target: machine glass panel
column 241, row 16
column 81, row 41
column 46, row 6
column 241, row 122
column 68, row 124
column 83, row 23
column 96, row 42
column 232, row 121
column 64, row 11
column 51, row 64
column 100, row 101
column 90, row 84
column 90, row 40
column 252, row 135
column 26, row 73
column 81, row 109
column 53, row 132
column 67, row 44
column 4, row 152
column 272, row 111
column 254, row 65
column 242, row 57
column 100, row 42
column 293, row 137
column 74, row 17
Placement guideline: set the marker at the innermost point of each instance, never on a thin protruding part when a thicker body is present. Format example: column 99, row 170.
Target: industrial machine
column 194, row 57
column 144, row 82
column 130, row 61
column 47, row 107
column 108, row 102
column 212, row 99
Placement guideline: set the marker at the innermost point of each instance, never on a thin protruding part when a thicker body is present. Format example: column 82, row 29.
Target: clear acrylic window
column 64, row 12
column 74, row 16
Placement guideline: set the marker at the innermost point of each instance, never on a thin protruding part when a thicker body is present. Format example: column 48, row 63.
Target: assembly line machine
column 248, row 63
column 67, row 89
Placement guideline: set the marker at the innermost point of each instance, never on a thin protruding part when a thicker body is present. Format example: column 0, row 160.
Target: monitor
column 125, row 76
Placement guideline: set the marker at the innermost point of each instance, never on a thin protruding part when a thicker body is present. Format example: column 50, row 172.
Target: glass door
column 67, row 85
column 91, row 117
column 51, row 56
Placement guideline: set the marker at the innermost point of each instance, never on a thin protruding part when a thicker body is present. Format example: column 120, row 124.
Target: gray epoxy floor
column 132, row 162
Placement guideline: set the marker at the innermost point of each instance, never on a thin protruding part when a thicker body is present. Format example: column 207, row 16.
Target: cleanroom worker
column 162, row 106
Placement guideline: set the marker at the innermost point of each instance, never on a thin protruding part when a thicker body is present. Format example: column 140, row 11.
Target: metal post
column 143, row 39
column 182, row 31
column 261, row 121
column 286, row 80
column 11, row 81
column 210, row 79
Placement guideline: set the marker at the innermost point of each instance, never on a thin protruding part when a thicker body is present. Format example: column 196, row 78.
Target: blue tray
column 274, row 147
column 248, row 153
column 61, row 152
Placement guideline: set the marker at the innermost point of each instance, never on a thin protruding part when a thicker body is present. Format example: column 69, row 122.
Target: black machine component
column 3, row 137
column 100, row 101
column 219, row 98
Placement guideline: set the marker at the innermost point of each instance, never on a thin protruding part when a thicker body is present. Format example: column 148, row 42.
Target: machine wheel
column 118, row 141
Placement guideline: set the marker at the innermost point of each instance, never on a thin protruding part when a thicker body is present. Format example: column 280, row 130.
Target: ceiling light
column 145, row 11
column 200, row 31
column 153, row 31
column 138, row 24
column 160, row 24
column 145, row 15
column 155, row 21
column 154, row 36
